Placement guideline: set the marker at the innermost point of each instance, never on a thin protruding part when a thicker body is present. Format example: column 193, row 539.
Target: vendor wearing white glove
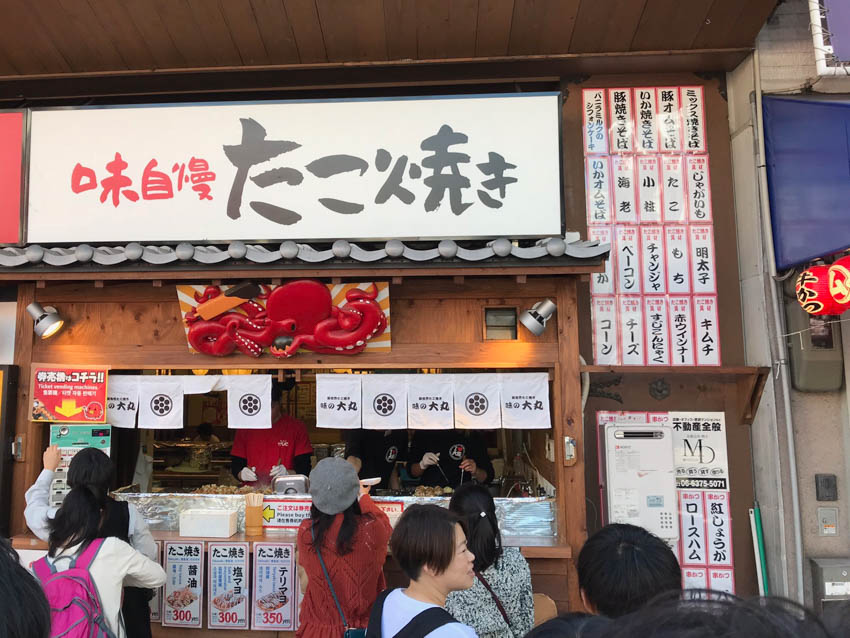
column 260, row 456
column 449, row 458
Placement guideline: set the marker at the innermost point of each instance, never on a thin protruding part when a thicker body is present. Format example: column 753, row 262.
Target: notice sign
column 285, row 513
column 184, row 584
column 228, row 586
column 274, row 602
column 75, row 394
column 700, row 450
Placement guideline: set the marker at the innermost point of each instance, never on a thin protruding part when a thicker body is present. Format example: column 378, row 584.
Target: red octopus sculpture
column 298, row 314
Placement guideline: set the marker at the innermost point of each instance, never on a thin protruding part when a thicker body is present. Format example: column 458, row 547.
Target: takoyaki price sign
column 184, row 584
column 75, row 394
column 228, row 585
column 275, row 587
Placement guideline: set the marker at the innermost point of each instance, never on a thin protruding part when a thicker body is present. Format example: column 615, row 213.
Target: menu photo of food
column 273, row 601
column 180, row 598
column 227, row 600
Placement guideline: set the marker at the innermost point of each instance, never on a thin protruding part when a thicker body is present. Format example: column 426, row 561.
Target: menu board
column 227, row 591
column 274, row 601
column 184, row 584
column 648, row 194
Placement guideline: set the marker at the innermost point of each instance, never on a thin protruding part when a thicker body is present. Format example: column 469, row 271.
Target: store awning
column 52, row 49
column 808, row 170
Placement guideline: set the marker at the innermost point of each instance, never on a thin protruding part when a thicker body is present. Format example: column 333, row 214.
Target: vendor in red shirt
column 259, row 456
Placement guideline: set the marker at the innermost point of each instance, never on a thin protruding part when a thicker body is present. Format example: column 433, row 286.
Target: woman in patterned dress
column 502, row 574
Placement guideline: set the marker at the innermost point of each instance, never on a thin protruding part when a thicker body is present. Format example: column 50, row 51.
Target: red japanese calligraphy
column 156, row 184
column 112, row 185
column 80, row 173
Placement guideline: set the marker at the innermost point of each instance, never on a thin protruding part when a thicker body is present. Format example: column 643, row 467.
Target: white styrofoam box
column 208, row 523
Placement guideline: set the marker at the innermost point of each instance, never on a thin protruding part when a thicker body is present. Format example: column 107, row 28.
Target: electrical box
column 641, row 477
column 826, row 487
column 830, row 582
column 817, row 359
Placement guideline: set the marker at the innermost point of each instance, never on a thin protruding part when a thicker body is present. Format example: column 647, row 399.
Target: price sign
column 274, row 600
column 75, row 394
column 184, row 584
column 156, row 602
column 228, row 586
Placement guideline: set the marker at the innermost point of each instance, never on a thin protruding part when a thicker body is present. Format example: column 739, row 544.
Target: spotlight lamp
column 536, row 317
column 47, row 320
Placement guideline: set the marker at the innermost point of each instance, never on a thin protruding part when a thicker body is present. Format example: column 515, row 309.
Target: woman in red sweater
column 351, row 535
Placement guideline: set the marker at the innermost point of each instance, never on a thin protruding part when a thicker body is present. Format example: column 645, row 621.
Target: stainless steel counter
column 525, row 517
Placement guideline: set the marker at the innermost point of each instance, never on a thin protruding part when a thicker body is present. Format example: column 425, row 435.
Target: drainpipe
column 780, row 356
column 815, row 12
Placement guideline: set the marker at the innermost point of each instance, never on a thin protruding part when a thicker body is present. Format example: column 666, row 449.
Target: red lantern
column 839, row 282
column 813, row 293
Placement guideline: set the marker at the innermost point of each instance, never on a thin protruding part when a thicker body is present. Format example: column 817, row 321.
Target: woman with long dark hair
column 88, row 513
column 500, row 603
column 341, row 552
column 24, row 612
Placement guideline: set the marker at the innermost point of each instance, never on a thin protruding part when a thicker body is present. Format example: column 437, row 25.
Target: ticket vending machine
column 71, row 439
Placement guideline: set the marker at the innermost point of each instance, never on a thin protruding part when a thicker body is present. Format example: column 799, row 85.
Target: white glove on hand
column 429, row 458
column 278, row 470
column 247, row 474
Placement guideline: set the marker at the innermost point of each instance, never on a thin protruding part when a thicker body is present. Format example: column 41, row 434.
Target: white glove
column 429, row 458
column 247, row 474
column 278, row 470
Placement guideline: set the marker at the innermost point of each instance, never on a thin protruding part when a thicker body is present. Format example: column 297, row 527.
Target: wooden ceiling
column 69, row 37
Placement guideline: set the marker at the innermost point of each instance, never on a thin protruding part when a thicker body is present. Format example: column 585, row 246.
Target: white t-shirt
column 399, row 609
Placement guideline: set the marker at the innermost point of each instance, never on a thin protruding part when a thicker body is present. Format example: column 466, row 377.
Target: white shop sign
column 369, row 169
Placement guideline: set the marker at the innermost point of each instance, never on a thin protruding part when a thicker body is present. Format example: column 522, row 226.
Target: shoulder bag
column 348, row 632
column 495, row 597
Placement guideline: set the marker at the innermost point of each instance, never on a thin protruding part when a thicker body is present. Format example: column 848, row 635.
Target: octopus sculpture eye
column 292, row 327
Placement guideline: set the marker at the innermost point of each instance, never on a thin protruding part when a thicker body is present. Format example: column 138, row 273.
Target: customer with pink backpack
column 83, row 575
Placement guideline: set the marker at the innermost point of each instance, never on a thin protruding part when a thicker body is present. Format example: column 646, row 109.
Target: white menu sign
column 227, row 592
column 623, row 177
column 645, row 116
column 595, row 129
column 657, row 331
column 681, row 331
column 604, row 313
column 274, row 599
column 184, row 584
column 631, row 330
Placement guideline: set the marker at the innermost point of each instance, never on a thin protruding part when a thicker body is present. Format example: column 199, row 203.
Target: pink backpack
column 75, row 608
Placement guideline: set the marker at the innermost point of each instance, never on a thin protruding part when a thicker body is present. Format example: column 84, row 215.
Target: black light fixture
column 47, row 320
column 536, row 317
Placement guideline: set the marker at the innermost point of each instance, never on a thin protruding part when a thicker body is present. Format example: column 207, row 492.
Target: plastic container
column 208, row 523
column 254, row 520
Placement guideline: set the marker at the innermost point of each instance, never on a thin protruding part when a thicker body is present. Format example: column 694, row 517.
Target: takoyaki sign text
column 74, row 394
column 184, row 584
column 274, row 599
column 228, row 585
column 373, row 169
